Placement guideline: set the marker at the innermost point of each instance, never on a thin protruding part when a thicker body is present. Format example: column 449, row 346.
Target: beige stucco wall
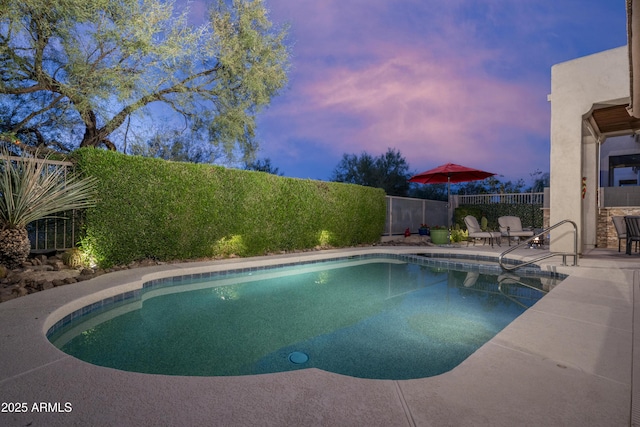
column 576, row 87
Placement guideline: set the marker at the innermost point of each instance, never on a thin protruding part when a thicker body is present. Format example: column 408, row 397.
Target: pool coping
column 454, row 261
column 567, row 360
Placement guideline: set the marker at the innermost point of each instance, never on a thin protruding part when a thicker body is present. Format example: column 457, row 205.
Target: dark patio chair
column 633, row 231
column 621, row 229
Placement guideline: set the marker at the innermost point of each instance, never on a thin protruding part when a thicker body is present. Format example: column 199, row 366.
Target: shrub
column 170, row 210
column 73, row 258
column 458, row 235
column 32, row 190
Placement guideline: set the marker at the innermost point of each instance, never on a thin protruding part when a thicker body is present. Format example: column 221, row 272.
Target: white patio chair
column 475, row 232
column 511, row 226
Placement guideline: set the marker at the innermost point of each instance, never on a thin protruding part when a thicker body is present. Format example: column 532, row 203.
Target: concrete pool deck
column 566, row 361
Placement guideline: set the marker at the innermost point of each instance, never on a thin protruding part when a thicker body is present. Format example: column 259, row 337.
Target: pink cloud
column 424, row 106
column 440, row 81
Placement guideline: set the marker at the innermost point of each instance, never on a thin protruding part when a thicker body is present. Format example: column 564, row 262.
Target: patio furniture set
column 627, row 228
column 510, row 227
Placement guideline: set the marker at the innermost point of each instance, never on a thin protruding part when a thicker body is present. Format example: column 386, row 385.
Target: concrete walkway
column 567, row 361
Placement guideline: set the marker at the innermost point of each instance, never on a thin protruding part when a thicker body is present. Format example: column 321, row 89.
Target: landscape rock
column 21, row 291
column 43, row 286
column 56, row 264
column 40, row 267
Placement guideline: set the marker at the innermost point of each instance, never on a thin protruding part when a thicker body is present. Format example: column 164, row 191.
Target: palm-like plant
column 31, row 190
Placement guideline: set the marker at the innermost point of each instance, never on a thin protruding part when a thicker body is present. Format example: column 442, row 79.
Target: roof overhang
column 623, row 117
column 612, row 120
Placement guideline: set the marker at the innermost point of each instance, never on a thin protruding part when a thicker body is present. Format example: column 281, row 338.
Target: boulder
column 21, row 291
column 56, row 264
column 43, row 286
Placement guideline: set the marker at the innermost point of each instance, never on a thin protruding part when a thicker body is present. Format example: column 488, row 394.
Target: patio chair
column 633, row 231
column 475, row 232
column 621, row 229
column 510, row 227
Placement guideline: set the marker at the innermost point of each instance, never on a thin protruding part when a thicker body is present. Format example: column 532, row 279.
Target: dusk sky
column 461, row 81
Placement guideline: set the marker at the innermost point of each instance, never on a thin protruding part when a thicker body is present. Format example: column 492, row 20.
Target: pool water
column 375, row 318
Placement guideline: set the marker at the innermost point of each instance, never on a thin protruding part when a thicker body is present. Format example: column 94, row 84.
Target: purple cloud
column 440, row 81
column 367, row 77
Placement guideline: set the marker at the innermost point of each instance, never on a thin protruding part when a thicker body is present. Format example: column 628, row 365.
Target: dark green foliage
column 169, row 210
column 263, row 165
column 87, row 73
column 428, row 191
column 388, row 171
column 530, row 215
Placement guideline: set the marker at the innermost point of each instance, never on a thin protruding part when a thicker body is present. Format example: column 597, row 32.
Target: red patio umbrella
column 450, row 173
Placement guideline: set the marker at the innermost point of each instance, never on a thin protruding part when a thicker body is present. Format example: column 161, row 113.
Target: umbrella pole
column 449, row 212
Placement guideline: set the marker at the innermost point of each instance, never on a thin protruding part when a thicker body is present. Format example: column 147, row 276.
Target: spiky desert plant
column 31, row 190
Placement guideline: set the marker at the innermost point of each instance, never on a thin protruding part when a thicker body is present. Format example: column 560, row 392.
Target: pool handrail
column 564, row 255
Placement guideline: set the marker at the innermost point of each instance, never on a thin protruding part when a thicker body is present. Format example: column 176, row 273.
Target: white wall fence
column 509, row 198
column 405, row 212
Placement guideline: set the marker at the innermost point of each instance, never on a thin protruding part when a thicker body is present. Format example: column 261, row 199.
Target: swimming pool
column 384, row 317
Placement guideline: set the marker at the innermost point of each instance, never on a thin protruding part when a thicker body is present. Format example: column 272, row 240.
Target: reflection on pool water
column 381, row 318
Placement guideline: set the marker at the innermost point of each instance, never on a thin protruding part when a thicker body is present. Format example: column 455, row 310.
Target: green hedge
column 530, row 215
column 171, row 210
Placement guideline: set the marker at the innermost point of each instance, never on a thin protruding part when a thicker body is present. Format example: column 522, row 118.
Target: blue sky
column 462, row 81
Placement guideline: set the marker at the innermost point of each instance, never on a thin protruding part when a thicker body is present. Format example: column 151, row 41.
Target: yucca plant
column 31, row 190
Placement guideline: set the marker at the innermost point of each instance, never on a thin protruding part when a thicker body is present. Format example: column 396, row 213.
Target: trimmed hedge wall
column 151, row 208
column 530, row 215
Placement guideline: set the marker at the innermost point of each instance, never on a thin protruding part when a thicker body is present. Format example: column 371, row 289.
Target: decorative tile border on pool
column 489, row 264
column 441, row 260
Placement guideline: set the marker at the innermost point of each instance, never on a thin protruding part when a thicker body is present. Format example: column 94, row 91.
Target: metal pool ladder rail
column 564, row 255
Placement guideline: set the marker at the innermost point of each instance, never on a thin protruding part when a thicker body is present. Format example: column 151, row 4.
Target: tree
column 74, row 72
column 263, row 166
column 389, row 171
column 491, row 185
column 540, row 181
column 429, row 191
column 171, row 144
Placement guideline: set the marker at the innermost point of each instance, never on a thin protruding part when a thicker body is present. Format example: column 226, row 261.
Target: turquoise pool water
column 369, row 318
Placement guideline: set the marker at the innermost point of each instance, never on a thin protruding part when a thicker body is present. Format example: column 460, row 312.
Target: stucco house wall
column 577, row 86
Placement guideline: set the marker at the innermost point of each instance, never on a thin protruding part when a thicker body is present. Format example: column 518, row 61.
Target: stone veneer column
column 606, row 231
